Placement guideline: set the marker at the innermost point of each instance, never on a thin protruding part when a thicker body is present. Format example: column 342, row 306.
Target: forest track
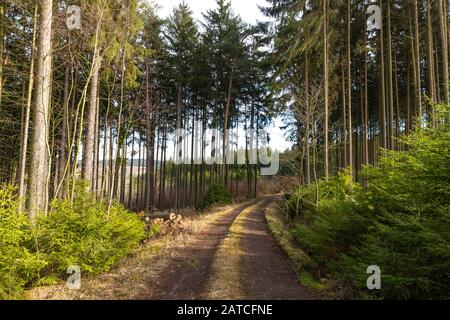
column 250, row 265
column 267, row 273
column 189, row 270
column 228, row 254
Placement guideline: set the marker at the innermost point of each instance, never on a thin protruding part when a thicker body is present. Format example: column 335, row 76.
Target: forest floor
column 226, row 254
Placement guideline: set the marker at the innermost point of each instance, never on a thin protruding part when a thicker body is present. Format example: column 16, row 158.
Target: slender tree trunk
column 365, row 114
column 408, row 101
column 26, row 121
column 2, row 41
column 156, row 166
column 390, row 109
column 383, row 127
column 308, row 123
column 123, row 170
column 130, row 190
column 444, row 48
column 349, row 83
column 88, row 154
column 430, row 47
column 343, row 158
column 95, row 177
column 63, row 142
column 114, row 176
column 326, row 86
column 105, row 153
column 38, row 186
column 164, row 173
column 150, row 146
column 397, row 103
column 138, row 191
column 417, row 60
column 227, row 117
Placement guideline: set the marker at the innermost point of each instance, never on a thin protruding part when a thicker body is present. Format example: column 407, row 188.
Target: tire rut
column 189, row 270
column 266, row 271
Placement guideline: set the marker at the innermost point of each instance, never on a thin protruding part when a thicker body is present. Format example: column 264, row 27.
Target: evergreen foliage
column 400, row 223
column 82, row 233
column 217, row 194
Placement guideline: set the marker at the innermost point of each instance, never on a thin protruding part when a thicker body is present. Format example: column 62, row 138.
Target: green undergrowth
column 82, row 233
column 400, row 222
column 216, row 195
column 281, row 230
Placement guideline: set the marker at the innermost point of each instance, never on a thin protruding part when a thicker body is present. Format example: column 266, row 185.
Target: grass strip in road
column 225, row 277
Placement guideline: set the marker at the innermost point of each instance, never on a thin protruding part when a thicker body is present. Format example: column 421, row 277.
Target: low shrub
column 82, row 233
column 85, row 234
column 336, row 223
column 18, row 264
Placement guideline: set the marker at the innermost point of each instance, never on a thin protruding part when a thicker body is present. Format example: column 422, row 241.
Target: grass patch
column 225, row 279
column 281, row 231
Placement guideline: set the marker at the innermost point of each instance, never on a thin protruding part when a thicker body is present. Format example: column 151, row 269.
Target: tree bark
column 430, row 47
column 417, row 60
column 26, row 124
column 308, row 124
column 38, row 186
column 383, row 128
column 444, row 48
column 2, row 41
column 326, row 86
column 390, row 109
column 349, row 75
column 88, row 154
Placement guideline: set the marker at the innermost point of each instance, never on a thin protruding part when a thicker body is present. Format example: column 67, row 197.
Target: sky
column 247, row 9
column 250, row 13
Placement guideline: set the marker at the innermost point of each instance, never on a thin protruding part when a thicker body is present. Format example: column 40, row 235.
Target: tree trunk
column 444, row 48
column 349, row 76
column 38, row 187
column 150, row 146
column 417, row 60
column 430, row 47
column 365, row 113
column 26, row 121
column 130, row 190
column 308, row 124
column 390, row 109
column 326, row 86
column 383, row 128
column 88, row 154
column 2, row 41
column 63, row 139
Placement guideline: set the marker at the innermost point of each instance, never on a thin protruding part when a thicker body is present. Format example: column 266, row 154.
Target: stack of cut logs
column 169, row 224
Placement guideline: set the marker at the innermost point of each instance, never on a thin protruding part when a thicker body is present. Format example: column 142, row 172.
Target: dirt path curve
column 188, row 274
column 266, row 272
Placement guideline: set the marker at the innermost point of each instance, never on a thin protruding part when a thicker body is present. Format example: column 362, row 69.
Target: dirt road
column 187, row 278
column 228, row 254
column 264, row 271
